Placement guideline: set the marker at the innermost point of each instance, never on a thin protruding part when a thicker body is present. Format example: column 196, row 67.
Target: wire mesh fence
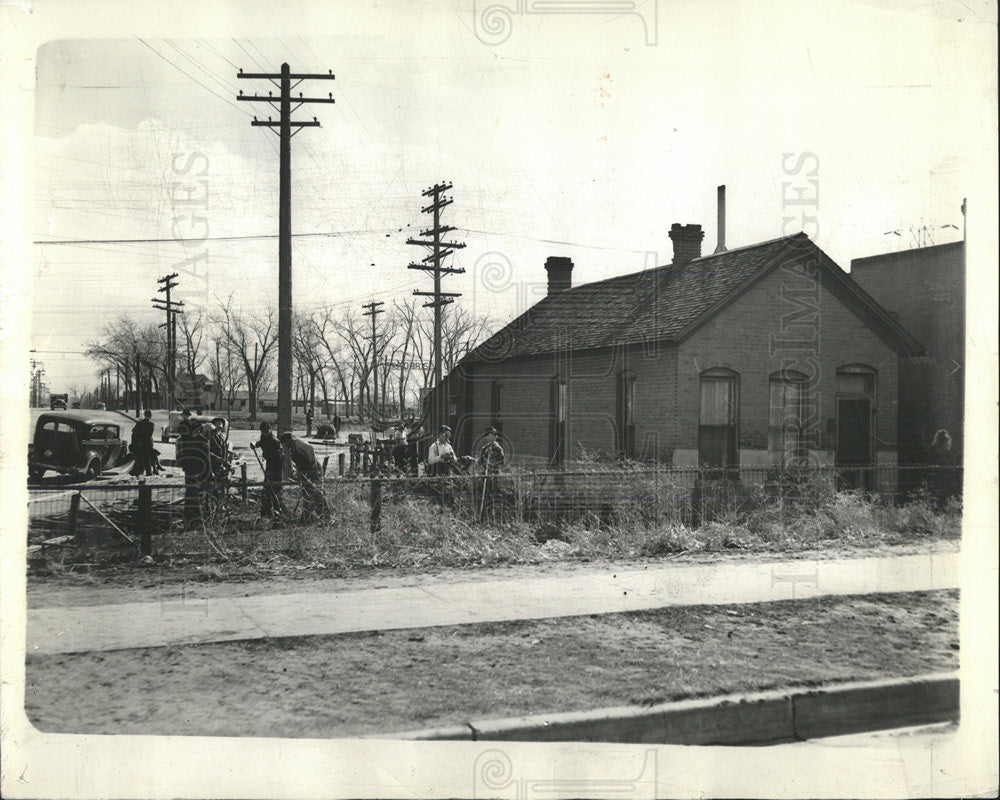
column 350, row 511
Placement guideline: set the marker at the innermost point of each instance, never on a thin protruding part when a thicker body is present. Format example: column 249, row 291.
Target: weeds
column 591, row 514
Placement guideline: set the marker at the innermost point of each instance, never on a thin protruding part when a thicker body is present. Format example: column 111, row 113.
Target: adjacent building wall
column 926, row 289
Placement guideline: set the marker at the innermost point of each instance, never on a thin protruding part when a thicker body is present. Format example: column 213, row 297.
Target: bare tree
column 460, row 333
column 404, row 348
column 309, row 354
column 224, row 375
column 118, row 348
column 336, row 356
column 192, row 329
column 250, row 341
column 359, row 347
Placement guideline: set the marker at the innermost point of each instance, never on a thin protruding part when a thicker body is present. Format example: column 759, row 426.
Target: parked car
column 57, row 401
column 100, row 407
column 76, row 442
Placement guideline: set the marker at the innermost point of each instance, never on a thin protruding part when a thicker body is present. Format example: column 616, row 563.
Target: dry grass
column 625, row 513
column 651, row 520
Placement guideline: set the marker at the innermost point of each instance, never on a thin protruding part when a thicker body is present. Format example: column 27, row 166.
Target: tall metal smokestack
column 721, row 247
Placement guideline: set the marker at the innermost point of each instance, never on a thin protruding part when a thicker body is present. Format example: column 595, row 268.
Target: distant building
column 925, row 289
column 267, row 403
column 753, row 357
column 198, row 392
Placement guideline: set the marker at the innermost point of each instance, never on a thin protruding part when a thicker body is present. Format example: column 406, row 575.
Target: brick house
column 758, row 356
column 925, row 289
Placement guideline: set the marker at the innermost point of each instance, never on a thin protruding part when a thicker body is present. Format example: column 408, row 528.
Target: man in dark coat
column 142, row 445
column 193, row 457
column 270, row 500
column 308, row 474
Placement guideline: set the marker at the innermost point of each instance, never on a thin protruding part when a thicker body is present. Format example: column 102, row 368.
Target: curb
column 757, row 719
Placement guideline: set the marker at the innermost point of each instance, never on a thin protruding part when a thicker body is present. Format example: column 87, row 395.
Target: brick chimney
column 560, row 269
column 721, row 246
column 687, row 242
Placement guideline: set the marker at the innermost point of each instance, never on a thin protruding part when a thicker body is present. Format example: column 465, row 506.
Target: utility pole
column 37, row 371
column 172, row 308
column 373, row 311
column 439, row 250
column 283, row 81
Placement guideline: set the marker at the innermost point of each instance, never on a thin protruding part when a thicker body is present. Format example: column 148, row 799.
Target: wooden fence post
column 376, row 503
column 145, row 518
column 74, row 514
column 340, row 464
column 243, row 482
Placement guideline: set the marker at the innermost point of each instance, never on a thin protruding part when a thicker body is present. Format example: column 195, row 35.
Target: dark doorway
column 854, row 443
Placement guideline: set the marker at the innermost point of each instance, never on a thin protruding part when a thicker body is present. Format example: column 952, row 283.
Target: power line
column 248, row 237
column 191, row 77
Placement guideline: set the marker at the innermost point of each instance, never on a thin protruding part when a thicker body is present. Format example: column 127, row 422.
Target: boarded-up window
column 557, row 435
column 784, row 433
column 717, row 419
column 717, row 401
column 626, row 414
column 496, row 401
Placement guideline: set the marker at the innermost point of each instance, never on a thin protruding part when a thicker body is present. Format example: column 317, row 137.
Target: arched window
column 785, row 421
column 718, row 418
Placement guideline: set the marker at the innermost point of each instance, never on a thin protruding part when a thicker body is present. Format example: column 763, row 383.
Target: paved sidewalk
column 596, row 590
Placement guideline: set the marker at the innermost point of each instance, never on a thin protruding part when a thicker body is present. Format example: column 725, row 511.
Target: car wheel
column 36, row 473
column 94, row 470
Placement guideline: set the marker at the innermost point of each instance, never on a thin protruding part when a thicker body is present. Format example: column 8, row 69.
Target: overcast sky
column 584, row 135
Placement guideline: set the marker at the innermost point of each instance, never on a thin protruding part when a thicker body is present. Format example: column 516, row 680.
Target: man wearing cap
column 491, row 460
column 491, row 457
column 270, row 499
column 309, row 475
column 441, row 455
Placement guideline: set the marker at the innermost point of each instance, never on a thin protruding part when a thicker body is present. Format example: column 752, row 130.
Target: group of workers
column 441, row 458
column 442, row 461
column 286, row 454
column 202, row 452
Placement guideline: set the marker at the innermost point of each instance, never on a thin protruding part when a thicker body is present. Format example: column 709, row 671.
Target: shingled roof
column 667, row 303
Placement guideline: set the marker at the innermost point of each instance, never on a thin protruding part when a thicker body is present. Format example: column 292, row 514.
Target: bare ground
column 356, row 684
